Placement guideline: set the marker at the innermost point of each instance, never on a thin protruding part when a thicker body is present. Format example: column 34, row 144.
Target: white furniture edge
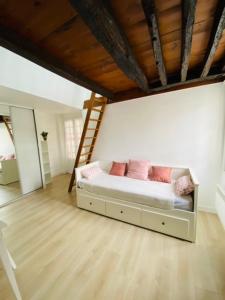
column 8, row 264
column 176, row 215
column 220, row 204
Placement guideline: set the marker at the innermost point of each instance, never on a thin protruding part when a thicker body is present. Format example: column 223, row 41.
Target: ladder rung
column 83, row 161
column 92, row 129
column 89, row 137
column 86, row 146
column 99, row 100
column 95, row 120
column 85, row 153
column 98, row 110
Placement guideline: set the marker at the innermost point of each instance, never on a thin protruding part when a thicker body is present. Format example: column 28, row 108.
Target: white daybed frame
column 174, row 222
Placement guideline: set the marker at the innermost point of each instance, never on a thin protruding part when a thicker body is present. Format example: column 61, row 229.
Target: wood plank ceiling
column 120, row 49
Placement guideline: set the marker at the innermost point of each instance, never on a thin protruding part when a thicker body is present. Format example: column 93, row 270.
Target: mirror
column 9, row 176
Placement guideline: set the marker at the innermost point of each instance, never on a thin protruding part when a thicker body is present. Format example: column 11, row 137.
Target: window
column 73, row 130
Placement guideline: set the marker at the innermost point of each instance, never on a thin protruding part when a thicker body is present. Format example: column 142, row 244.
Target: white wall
column 220, row 197
column 4, row 110
column 20, row 74
column 220, row 204
column 184, row 127
column 6, row 144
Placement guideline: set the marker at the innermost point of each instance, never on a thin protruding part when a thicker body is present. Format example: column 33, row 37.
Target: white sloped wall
column 20, row 74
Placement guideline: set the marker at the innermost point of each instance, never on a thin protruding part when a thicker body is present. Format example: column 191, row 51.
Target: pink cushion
column 138, row 169
column 184, row 186
column 118, row 169
column 162, row 174
column 9, row 156
column 91, row 172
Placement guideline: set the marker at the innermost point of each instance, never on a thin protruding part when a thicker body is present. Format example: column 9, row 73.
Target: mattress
column 150, row 193
column 184, row 203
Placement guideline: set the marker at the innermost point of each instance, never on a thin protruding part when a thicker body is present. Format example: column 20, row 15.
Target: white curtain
column 73, row 130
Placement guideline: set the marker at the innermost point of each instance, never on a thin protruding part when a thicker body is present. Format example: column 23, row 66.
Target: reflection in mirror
column 9, row 177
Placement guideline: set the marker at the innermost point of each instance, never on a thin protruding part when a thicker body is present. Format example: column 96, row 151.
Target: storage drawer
column 123, row 212
column 166, row 224
column 95, row 205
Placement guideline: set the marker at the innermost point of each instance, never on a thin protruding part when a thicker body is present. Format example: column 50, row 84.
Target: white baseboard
column 220, row 204
column 57, row 172
column 207, row 209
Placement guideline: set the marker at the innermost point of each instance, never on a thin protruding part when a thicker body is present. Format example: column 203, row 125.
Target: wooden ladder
column 96, row 107
column 7, row 121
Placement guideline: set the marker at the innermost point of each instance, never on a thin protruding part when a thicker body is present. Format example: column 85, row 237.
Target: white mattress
column 150, row 193
column 184, row 203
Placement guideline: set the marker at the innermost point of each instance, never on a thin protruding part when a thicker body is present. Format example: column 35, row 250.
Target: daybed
column 150, row 204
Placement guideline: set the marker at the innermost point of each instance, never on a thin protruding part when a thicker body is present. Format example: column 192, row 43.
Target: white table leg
column 13, row 264
column 7, row 263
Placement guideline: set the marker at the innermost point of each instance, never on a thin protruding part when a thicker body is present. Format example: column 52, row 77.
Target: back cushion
column 91, row 172
column 184, row 186
column 138, row 169
column 118, row 169
column 10, row 156
column 162, row 174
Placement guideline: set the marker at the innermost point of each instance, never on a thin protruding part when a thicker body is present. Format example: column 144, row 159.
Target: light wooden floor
column 9, row 192
column 66, row 253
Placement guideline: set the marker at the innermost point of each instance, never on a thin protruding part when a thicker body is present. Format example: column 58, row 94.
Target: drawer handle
column 121, row 212
column 163, row 223
column 90, row 203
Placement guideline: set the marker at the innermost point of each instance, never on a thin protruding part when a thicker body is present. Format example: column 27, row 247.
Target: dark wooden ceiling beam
column 188, row 19
column 150, row 14
column 217, row 31
column 23, row 47
column 137, row 93
column 99, row 18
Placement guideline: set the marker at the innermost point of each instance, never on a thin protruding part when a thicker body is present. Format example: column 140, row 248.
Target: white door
column 25, row 139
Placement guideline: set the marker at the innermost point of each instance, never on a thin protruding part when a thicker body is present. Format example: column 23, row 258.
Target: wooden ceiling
column 120, row 49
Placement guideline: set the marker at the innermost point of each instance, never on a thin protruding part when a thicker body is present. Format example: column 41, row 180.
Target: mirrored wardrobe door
column 27, row 153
